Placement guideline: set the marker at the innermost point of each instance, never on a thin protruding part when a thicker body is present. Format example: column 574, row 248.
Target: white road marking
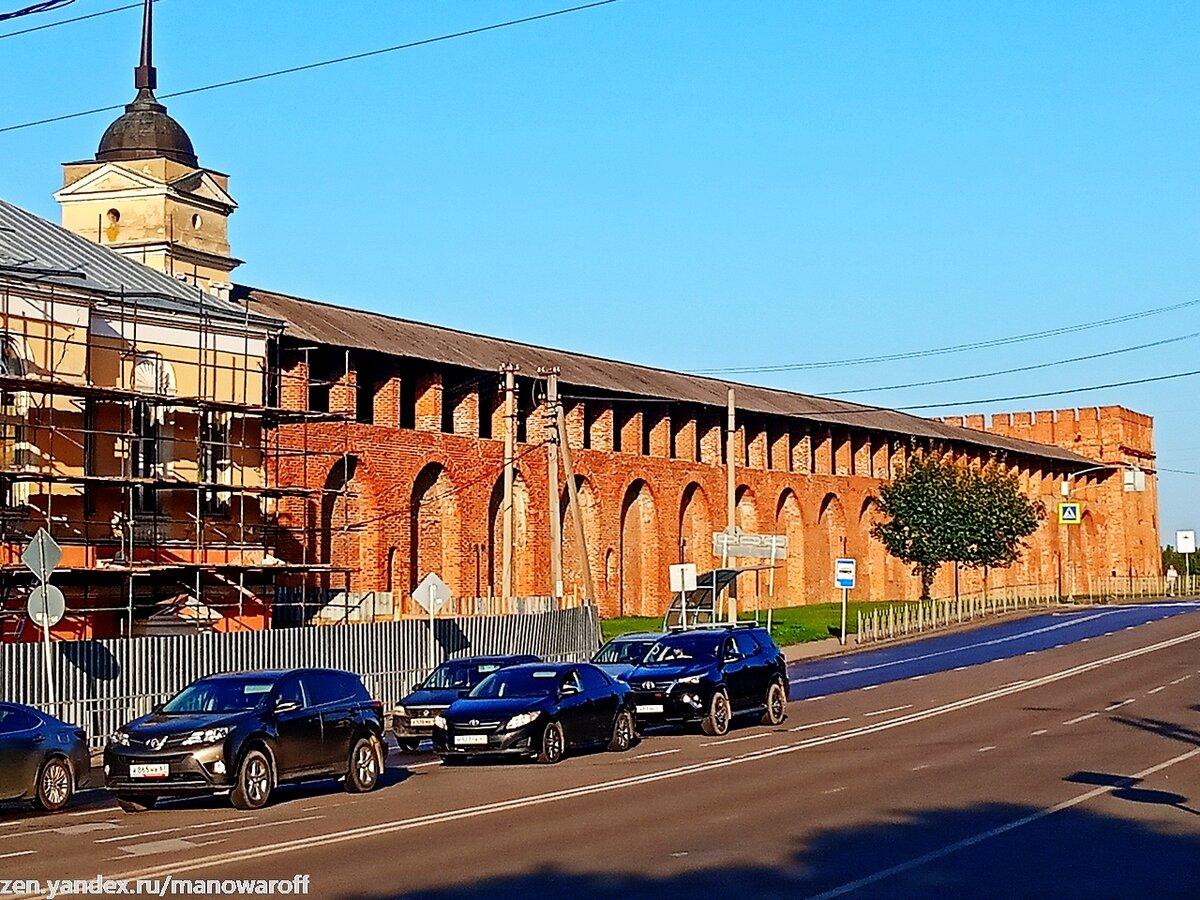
column 819, row 724
column 85, row 827
column 736, row 740
column 170, row 845
column 17, row 853
column 959, row 668
column 657, row 753
column 1011, row 683
column 890, row 709
column 811, row 699
column 999, row 830
column 182, row 866
column 1083, row 718
column 1038, row 732
column 1030, row 653
column 142, row 834
column 1178, row 680
column 1117, row 705
column 986, row 749
column 920, row 767
column 833, row 790
column 870, row 687
column 1161, row 687
column 916, row 678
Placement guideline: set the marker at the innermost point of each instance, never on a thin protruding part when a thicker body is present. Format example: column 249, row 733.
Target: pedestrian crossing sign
column 1069, row 513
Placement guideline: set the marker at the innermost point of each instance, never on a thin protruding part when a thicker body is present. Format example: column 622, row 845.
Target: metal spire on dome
column 145, row 76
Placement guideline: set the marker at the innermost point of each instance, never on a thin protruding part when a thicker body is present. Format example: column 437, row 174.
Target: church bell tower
column 145, row 193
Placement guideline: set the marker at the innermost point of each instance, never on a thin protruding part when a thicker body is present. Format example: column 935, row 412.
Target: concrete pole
column 556, row 574
column 506, row 508
column 576, row 513
column 730, row 495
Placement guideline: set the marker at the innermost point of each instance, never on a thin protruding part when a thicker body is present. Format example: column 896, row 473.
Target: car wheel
column 775, row 705
column 255, row 781
column 136, row 803
column 363, row 774
column 716, row 723
column 623, row 732
column 553, row 743
column 408, row 745
column 55, row 785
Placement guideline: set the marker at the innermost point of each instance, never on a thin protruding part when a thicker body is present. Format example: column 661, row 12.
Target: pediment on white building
column 109, row 178
column 201, row 185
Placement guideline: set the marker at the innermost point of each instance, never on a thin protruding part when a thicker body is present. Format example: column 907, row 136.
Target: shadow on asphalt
column 1076, row 853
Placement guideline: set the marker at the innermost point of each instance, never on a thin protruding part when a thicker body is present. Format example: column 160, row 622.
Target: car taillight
column 377, row 705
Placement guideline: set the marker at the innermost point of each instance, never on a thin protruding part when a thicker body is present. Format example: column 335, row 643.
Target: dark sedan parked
column 538, row 710
column 412, row 719
column 41, row 758
column 247, row 732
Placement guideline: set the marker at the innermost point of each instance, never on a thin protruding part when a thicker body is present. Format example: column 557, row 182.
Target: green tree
column 939, row 512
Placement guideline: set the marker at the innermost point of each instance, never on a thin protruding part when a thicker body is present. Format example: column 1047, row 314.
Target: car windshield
column 630, row 652
column 516, row 683
column 220, row 695
column 459, row 675
column 683, row 648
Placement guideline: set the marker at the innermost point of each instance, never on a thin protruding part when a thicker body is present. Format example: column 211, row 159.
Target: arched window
column 14, row 407
column 150, row 452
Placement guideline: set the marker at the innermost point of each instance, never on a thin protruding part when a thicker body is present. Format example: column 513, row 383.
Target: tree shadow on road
column 992, row 850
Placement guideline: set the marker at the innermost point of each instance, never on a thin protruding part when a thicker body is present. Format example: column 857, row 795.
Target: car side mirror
column 568, row 690
column 286, row 706
column 157, row 708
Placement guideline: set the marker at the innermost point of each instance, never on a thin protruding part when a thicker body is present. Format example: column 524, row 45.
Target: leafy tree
column 939, row 512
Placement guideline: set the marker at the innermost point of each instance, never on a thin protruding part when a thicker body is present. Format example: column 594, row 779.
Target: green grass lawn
column 792, row 625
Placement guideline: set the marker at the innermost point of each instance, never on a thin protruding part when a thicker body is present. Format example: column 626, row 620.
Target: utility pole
column 576, row 513
column 730, row 498
column 556, row 574
column 510, row 436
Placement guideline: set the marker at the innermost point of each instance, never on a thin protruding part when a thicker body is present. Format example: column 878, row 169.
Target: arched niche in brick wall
column 347, row 513
column 638, row 558
column 572, row 570
column 827, row 545
column 751, row 586
column 695, row 527
column 435, row 543
column 522, row 561
column 790, row 589
column 876, row 564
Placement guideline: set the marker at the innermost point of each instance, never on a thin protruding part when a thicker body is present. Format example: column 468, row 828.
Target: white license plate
column 650, row 708
column 421, row 723
column 470, row 740
column 149, row 770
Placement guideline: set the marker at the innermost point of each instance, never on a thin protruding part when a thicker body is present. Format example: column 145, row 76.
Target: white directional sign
column 757, row 546
column 42, row 554
column 683, row 577
column 432, row 593
column 844, row 573
column 1185, row 541
column 46, row 606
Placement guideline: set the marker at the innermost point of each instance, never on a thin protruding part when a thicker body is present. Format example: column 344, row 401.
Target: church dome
column 145, row 131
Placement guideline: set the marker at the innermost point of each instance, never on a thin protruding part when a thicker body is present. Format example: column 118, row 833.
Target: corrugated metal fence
column 103, row 684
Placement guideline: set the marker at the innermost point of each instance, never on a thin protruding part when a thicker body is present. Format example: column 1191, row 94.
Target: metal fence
column 890, row 620
column 102, row 684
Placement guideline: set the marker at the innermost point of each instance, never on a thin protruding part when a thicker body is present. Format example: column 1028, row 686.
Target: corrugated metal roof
column 33, row 249
column 322, row 323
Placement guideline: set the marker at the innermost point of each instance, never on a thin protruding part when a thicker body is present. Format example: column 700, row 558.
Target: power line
column 1080, row 390
column 1179, row 471
column 34, row 9
column 95, row 15
column 1045, row 365
column 957, row 348
column 320, row 65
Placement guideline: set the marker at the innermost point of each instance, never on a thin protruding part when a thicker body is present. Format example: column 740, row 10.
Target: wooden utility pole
column 556, row 574
column 576, row 513
column 510, row 436
column 730, row 496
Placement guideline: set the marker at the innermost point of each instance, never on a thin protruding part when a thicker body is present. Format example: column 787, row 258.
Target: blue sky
column 698, row 185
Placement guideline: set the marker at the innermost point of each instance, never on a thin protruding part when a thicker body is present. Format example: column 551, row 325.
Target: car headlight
column 399, row 711
column 439, row 721
column 520, row 720
column 206, row 736
column 691, row 679
column 120, row 738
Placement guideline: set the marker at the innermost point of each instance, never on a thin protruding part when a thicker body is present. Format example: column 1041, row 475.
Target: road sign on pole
column 845, row 571
column 755, row 546
column 1070, row 513
column 1185, row 542
column 683, row 577
column 46, row 606
column 42, row 555
column 432, row 594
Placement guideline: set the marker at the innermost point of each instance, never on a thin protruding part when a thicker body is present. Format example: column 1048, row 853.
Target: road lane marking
column 17, row 853
column 142, row 834
column 1083, row 718
column 1179, row 680
column 890, row 709
column 921, row 860
column 1038, row 732
column 1011, row 683
column 917, row 677
column 1161, row 687
column 920, row 767
column 735, row 740
column 182, row 866
column 1118, row 705
column 833, row 790
column 837, row 721
column 811, row 699
column 986, row 749
column 959, row 668
column 870, row 687
column 656, row 753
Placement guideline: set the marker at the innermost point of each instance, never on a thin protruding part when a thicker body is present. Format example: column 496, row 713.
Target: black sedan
column 246, row 732
column 537, row 710
column 412, row 719
column 41, row 758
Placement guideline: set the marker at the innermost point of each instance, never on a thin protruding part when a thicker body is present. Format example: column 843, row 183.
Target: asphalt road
column 1068, row 771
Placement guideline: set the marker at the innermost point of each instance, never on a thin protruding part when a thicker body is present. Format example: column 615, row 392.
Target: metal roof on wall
column 35, row 250
column 322, row 323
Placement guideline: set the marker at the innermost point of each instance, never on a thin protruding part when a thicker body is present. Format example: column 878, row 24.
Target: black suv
column 710, row 675
column 247, row 732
